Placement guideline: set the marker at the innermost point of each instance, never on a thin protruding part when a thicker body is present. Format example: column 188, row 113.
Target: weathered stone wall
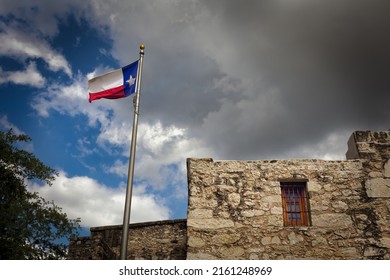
column 374, row 150
column 373, row 146
column 152, row 240
column 235, row 207
column 90, row 248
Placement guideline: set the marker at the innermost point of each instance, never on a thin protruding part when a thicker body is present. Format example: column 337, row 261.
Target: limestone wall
column 90, row 248
column 373, row 146
column 235, row 211
column 151, row 240
column 374, row 149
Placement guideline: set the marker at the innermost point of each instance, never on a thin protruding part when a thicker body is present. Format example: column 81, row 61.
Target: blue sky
column 264, row 80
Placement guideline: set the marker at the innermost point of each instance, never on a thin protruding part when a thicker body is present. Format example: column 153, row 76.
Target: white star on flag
column 131, row 81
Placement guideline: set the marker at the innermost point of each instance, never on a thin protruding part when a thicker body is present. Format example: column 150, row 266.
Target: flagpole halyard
column 129, row 189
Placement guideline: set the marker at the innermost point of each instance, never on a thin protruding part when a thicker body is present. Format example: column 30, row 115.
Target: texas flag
column 116, row 84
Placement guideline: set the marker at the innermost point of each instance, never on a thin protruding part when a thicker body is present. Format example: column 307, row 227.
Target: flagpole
column 129, row 189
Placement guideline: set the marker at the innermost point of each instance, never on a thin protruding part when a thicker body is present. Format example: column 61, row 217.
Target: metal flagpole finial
column 142, row 47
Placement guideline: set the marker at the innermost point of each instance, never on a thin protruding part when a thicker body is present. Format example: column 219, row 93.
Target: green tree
column 30, row 226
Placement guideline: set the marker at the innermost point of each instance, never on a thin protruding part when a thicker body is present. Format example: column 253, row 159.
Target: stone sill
column 306, row 228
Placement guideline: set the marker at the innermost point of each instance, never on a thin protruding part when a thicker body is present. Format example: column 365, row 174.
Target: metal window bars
column 295, row 203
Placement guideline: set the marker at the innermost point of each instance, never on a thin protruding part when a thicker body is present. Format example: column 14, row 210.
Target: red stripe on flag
column 112, row 93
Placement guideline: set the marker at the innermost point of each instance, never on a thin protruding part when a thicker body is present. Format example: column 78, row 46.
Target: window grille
column 295, row 204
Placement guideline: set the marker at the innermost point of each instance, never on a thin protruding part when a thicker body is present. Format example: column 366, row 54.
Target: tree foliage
column 30, row 226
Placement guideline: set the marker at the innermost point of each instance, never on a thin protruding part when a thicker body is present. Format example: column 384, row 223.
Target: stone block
column 253, row 256
column 274, row 220
column 277, row 210
column 319, row 241
column 294, row 239
column 231, row 252
column 348, row 253
column 225, row 238
column 386, row 169
column 339, row 205
column 375, row 174
column 272, row 199
column 200, row 213
column 225, row 188
column 378, row 187
column 336, row 221
column 210, row 223
column 194, row 241
column 385, row 241
column 258, row 212
column 233, row 200
column 313, row 186
column 372, row 251
column 201, row 202
column 266, row 240
column 275, row 240
column 248, row 213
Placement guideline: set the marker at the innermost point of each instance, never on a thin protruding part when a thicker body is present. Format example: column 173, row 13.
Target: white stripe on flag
column 107, row 81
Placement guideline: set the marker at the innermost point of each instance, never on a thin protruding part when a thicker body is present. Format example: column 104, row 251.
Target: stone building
column 270, row 209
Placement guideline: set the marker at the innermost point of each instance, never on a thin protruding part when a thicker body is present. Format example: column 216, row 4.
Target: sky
column 231, row 80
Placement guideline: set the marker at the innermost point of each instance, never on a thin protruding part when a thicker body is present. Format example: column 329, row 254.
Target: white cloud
column 97, row 204
column 5, row 124
column 70, row 100
column 162, row 152
column 30, row 76
column 113, row 121
column 160, row 157
column 82, row 147
column 119, row 168
column 27, row 45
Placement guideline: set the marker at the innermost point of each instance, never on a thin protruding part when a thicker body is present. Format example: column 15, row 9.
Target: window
column 295, row 203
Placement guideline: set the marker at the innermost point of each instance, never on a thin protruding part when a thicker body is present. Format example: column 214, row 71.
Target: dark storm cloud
column 322, row 66
column 181, row 88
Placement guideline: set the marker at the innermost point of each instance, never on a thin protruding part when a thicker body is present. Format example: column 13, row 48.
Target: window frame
column 295, row 204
